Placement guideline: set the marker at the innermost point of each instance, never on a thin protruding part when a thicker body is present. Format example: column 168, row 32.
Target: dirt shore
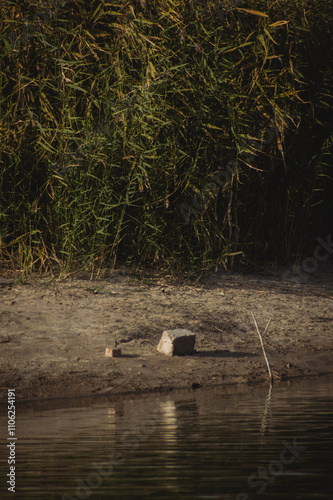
column 53, row 334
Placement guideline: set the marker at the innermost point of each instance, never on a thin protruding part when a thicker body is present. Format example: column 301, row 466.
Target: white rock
column 176, row 342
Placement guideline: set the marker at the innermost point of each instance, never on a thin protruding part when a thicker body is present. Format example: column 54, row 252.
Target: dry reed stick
column 263, row 347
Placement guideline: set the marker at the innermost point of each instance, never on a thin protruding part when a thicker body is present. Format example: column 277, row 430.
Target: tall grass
column 116, row 114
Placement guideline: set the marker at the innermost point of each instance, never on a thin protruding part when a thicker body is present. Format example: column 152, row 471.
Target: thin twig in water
column 263, row 347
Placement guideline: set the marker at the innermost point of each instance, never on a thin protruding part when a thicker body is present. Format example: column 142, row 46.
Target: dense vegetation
column 173, row 133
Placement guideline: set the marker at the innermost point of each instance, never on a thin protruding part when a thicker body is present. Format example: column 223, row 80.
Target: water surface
column 233, row 444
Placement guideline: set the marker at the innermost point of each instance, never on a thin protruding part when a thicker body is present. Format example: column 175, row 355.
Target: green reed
column 116, row 116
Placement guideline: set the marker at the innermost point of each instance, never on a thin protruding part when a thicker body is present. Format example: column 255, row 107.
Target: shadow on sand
column 226, row 354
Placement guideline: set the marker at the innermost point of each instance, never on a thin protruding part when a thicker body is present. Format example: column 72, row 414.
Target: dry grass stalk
column 263, row 347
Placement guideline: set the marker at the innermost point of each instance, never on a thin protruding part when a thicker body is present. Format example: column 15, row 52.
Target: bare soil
column 53, row 333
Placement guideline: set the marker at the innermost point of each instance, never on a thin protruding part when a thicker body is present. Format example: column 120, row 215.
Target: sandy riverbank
column 54, row 333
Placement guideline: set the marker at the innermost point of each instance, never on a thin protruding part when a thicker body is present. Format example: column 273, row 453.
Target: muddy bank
column 54, row 333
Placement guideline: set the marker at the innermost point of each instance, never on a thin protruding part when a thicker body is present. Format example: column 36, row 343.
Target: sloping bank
column 54, row 334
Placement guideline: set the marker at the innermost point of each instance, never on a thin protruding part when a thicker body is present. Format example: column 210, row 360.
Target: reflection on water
column 244, row 443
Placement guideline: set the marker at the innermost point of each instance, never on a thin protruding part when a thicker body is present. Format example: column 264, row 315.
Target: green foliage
column 117, row 119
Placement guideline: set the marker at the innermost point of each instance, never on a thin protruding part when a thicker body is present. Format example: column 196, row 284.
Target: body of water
column 233, row 444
